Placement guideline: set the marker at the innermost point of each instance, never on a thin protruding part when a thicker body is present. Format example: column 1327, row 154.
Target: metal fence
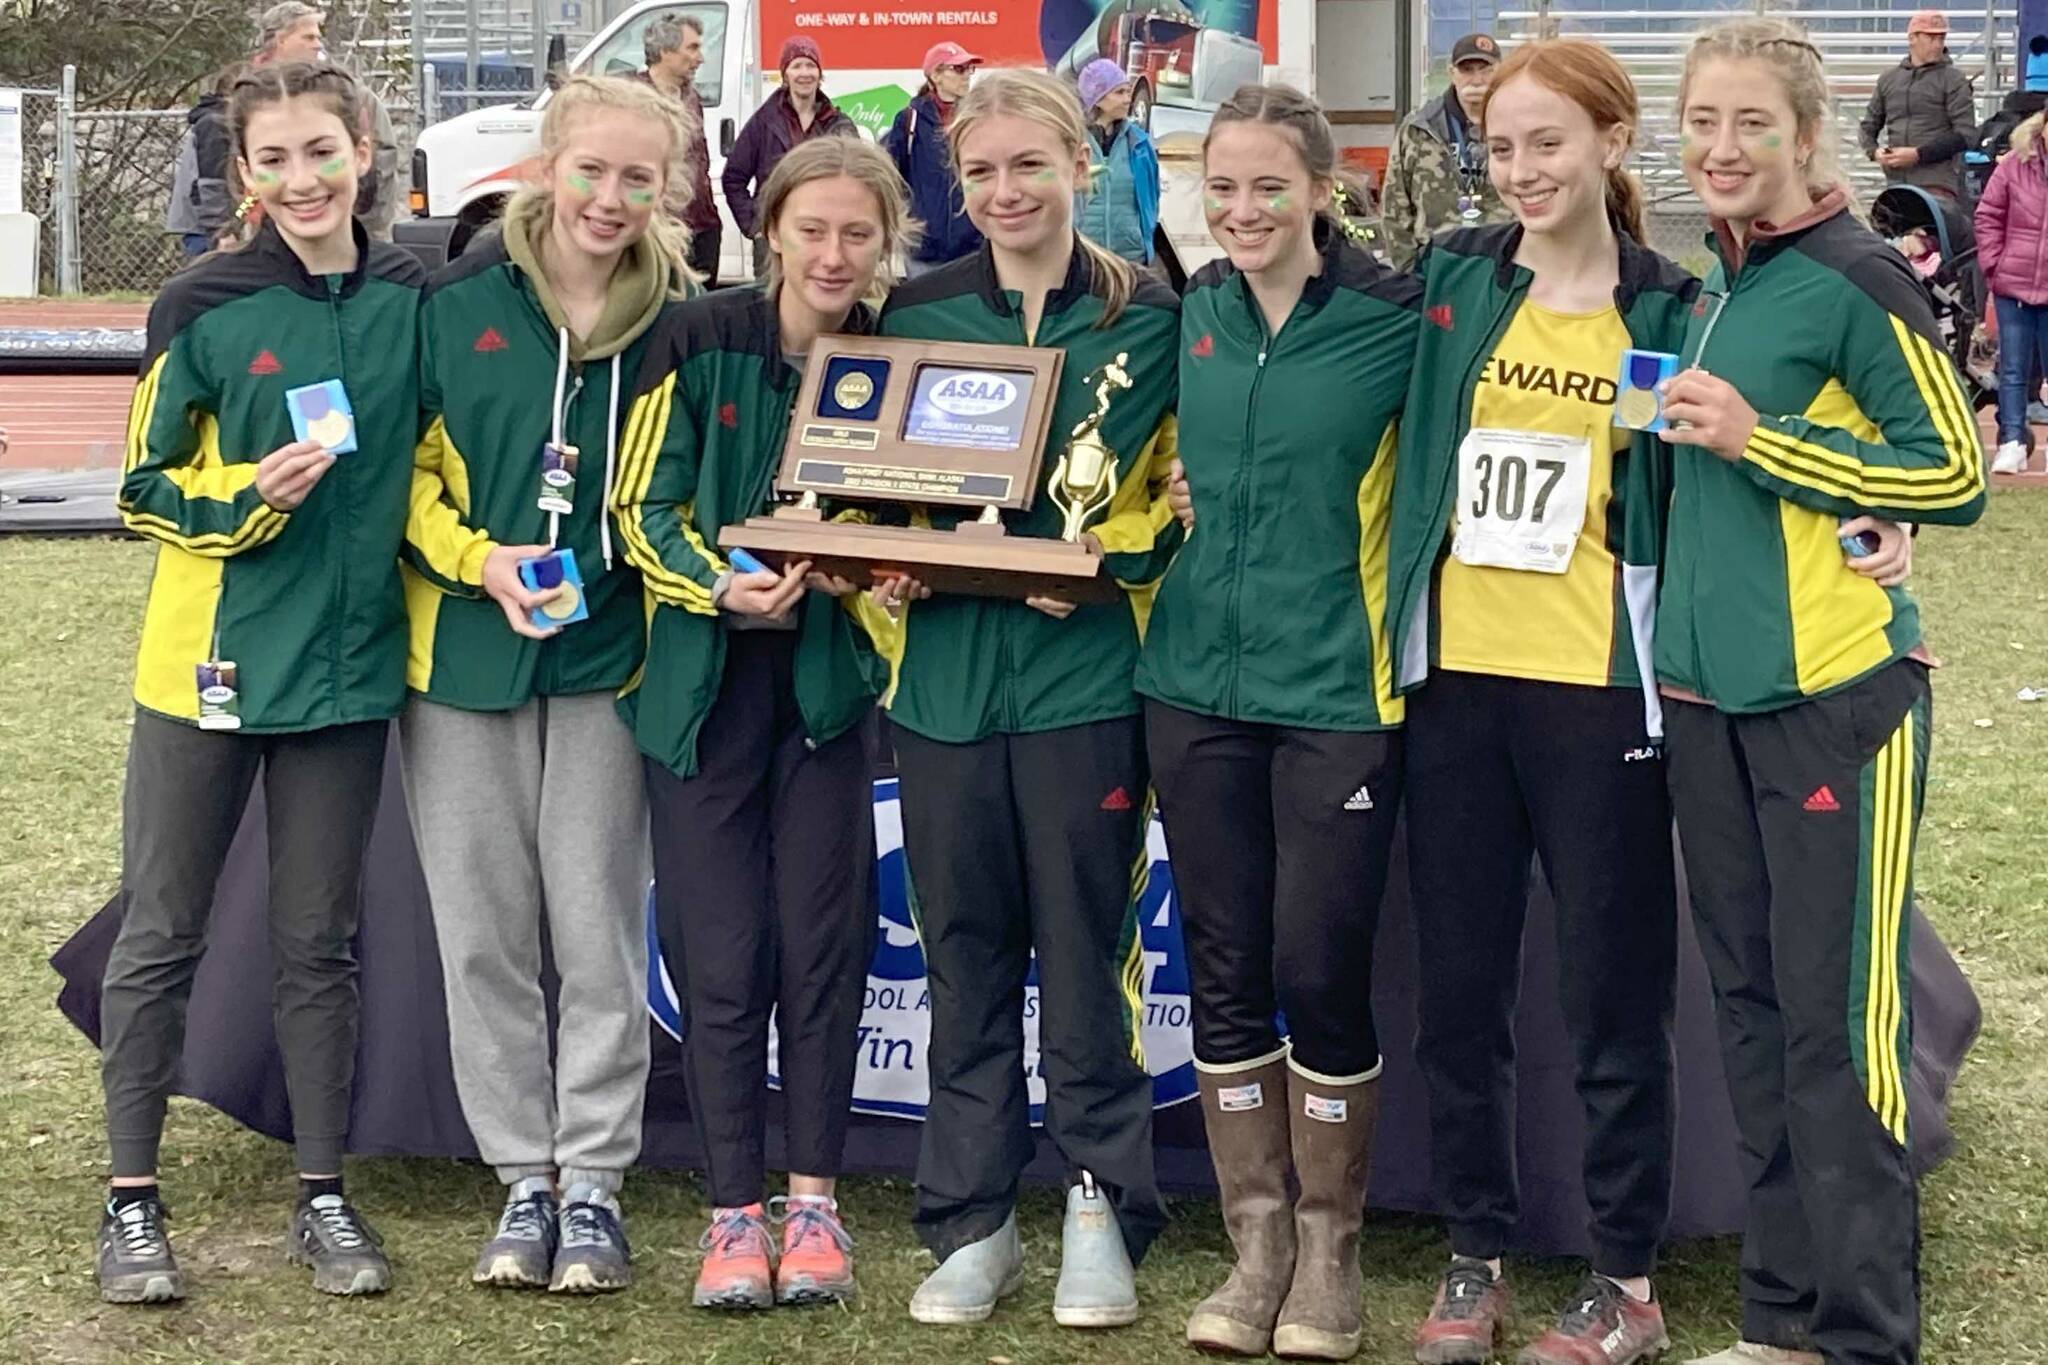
column 1858, row 42
column 99, row 182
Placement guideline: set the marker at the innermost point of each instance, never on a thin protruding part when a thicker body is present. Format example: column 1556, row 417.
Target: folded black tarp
column 405, row 1102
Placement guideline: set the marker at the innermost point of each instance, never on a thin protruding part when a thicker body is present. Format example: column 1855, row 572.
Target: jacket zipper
column 1695, row 534
column 2040, row 236
column 344, row 509
column 1244, row 490
column 1024, row 338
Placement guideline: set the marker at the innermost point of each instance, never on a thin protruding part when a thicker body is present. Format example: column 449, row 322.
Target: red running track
column 67, row 422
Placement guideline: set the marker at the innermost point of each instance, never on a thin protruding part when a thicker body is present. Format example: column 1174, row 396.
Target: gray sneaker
column 594, row 1257
column 135, row 1262
column 522, row 1253
column 1098, row 1287
column 344, row 1250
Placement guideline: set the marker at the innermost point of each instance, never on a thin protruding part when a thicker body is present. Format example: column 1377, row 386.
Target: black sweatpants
column 763, row 875
column 1798, row 828
column 1498, row 767
column 1279, row 838
column 1023, row 844
column 185, row 794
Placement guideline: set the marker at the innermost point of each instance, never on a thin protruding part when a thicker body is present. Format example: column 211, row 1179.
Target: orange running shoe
column 817, row 1260
column 739, row 1269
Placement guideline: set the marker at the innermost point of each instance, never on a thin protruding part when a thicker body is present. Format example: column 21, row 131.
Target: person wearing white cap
column 1925, row 112
column 916, row 142
column 1120, row 208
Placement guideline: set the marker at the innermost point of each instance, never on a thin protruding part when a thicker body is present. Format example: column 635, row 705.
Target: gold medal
column 563, row 605
column 853, row 390
column 1635, row 407
column 330, row 429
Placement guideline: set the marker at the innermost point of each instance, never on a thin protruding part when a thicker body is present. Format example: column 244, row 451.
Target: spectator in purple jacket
column 2012, row 248
column 798, row 110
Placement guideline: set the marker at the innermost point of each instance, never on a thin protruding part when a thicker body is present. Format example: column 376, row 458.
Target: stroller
column 1919, row 222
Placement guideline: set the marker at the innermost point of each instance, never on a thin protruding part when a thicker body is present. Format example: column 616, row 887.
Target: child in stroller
column 1935, row 236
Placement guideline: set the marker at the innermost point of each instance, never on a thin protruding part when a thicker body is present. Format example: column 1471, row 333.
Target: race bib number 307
column 1521, row 499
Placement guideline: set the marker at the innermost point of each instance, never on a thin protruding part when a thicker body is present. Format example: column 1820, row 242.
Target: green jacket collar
column 1002, row 302
column 1641, row 269
column 269, row 245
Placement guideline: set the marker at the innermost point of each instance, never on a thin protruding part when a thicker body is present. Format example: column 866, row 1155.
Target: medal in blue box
column 555, row 570
column 1636, row 403
column 321, row 412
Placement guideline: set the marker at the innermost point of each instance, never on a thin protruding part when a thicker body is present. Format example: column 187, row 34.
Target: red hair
column 1589, row 76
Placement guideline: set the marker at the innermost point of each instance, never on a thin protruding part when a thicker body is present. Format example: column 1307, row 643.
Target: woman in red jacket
column 2012, row 247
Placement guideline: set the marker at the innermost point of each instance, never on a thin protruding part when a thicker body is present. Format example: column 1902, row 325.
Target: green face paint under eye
column 1773, row 141
column 264, row 179
column 1278, row 203
column 581, row 184
column 333, row 167
column 1213, row 204
column 640, row 198
column 1045, row 175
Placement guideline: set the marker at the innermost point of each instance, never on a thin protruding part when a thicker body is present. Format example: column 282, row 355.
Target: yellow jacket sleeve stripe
column 175, row 486
column 640, row 522
column 1920, row 456
column 447, row 551
column 1935, row 384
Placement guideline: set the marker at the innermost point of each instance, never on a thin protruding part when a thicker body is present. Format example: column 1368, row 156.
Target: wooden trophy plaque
column 933, row 423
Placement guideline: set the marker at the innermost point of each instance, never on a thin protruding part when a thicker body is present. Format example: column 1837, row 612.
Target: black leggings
column 1498, row 767
column 1279, row 839
column 763, row 877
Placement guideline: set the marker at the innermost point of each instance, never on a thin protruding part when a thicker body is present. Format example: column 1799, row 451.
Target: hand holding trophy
column 953, row 433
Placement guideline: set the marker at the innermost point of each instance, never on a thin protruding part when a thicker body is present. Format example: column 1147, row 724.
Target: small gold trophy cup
column 1084, row 481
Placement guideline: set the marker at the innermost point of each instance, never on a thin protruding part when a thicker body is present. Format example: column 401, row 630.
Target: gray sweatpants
column 519, row 815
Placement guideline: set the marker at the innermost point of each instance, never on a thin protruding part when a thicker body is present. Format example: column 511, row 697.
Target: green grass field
column 64, row 674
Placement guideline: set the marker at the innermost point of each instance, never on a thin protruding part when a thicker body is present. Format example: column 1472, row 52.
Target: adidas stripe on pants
column 1798, row 829
column 1280, row 839
column 1015, row 845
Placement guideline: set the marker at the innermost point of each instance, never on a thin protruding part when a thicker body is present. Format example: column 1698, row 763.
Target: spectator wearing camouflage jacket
column 1436, row 174
column 1925, row 111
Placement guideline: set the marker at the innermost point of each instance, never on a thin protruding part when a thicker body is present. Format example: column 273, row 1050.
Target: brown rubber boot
column 1245, row 1115
column 1332, row 1121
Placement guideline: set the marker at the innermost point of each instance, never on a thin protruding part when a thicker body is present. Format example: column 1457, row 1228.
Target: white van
column 463, row 169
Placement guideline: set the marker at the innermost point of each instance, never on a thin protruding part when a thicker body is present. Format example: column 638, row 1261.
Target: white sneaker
column 2010, row 459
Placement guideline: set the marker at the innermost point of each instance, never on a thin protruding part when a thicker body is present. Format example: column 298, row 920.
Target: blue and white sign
column 895, row 1024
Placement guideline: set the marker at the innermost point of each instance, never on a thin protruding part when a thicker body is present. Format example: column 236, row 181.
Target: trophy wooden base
column 975, row 559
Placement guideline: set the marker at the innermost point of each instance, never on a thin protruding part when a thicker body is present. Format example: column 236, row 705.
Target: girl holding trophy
column 748, row 714
column 1020, row 752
